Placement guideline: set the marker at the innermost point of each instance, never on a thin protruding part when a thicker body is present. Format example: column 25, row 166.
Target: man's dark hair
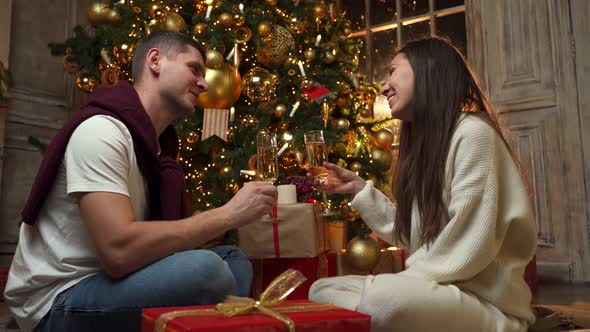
column 169, row 42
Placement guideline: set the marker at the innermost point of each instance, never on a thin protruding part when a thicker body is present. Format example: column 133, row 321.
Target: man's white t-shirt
column 57, row 252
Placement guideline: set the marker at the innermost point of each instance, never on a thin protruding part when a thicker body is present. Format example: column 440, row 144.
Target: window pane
column 363, row 58
column 442, row 4
column 355, row 11
column 453, row 27
column 415, row 31
column 414, row 7
column 384, row 45
column 382, row 11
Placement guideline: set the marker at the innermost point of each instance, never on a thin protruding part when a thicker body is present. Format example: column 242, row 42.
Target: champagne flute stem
column 326, row 205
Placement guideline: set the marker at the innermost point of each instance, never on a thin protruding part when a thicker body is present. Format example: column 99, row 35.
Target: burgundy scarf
column 165, row 178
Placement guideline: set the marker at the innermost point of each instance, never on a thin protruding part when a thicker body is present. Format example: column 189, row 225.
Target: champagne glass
column 317, row 153
column 267, row 165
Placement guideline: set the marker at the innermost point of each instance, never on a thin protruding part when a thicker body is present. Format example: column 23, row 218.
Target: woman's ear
column 153, row 61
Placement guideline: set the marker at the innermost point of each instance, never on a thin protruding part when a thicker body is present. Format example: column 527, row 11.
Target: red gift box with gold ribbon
column 270, row 313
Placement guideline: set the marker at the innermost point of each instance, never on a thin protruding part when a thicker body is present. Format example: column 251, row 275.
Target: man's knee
column 209, row 273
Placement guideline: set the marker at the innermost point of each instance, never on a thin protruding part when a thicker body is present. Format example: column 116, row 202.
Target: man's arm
column 125, row 245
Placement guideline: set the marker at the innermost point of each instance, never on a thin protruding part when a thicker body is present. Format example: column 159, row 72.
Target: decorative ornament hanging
column 243, row 34
column 259, row 84
column 214, row 59
column 382, row 156
column 232, row 187
column 224, row 87
column 199, row 28
column 365, row 113
column 70, row 66
column 225, row 20
column 274, row 52
column 86, row 82
column 362, row 252
column 157, row 12
column 99, row 13
column 280, row 110
column 329, row 56
column 355, row 166
column 264, row 29
column 309, row 54
column 319, row 11
column 383, row 139
column 173, row 22
column 342, row 124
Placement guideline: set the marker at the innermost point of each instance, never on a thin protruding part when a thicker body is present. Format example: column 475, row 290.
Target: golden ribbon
column 273, row 295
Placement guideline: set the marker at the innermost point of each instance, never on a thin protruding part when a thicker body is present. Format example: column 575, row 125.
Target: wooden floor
column 569, row 299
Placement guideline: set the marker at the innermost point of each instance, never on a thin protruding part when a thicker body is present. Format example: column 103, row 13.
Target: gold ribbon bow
column 273, row 295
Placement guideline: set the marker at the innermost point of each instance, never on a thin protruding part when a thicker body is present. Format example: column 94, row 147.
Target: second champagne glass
column 317, row 153
column 267, row 165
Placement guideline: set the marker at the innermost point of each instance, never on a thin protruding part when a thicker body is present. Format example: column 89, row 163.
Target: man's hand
column 252, row 201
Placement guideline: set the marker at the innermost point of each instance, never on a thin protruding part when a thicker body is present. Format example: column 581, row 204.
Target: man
column 87, row 257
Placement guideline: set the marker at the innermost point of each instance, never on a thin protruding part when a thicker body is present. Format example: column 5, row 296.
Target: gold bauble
column 346, row 31
column 280, row 110
column 173, row 22
column 274, row 52
column 199, row 28
column 99, row 12
column 383, row 139
column 348, row 212
column 86, row 82
column 239, row 19
column 243, row 34
column 365, row 113
column 342, row 124
column 232, row 187
column 341, row 101
column 224, row 87
column 355, row 166
column 382, row 156
column 345, row 111
column 264, row 29
column 271, row 2
column 259, row 84
column 370, row 96
column 157, row 12
column 309, row 54
column 329, row 57
column 306, row 83
column 319, row 11
column 362, row 253
column 225, row 20
column 214, row 59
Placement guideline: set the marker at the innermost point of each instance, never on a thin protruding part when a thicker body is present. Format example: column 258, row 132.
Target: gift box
column 270, row 313
column 391, row 260
column 313, row 268
column 300, row 231
column 206, row 318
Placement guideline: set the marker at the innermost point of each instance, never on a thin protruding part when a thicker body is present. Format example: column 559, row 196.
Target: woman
column 461, row 207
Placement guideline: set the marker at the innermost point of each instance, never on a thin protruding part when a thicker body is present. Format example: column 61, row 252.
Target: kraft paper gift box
column 300, row 231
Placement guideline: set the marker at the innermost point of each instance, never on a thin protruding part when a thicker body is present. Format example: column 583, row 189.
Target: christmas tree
column 285, row 66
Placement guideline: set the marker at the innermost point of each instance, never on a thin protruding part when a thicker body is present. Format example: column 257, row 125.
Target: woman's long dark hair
column 444, row 87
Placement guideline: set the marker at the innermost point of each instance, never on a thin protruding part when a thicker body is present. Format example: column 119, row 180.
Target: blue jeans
column 195, row 277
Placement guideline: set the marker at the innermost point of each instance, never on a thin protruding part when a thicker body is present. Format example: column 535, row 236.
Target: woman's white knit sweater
column 491, row 234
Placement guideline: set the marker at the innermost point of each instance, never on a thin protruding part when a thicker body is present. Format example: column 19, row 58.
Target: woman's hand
column 340, row 180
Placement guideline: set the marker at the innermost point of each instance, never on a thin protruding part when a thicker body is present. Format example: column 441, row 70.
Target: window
column 387, row 24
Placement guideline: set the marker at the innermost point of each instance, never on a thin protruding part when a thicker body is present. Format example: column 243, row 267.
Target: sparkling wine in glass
column 267, row 164
column 317, row 153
